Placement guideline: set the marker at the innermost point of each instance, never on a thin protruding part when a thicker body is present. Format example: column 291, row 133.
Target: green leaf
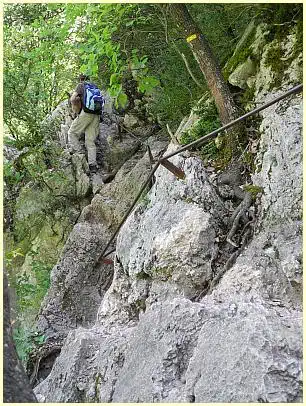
column 147, row 84
column 122, row 99
column 115, row 89
column 114, row 79
column 40, row 339
column 83, row 68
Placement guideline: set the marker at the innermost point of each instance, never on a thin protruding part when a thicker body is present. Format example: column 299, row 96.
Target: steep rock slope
column 79, row 280
column 155, row 337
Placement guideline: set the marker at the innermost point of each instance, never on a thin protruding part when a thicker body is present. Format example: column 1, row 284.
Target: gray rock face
column 241, row 343
column 10, row 153
column 79, row 168
column 67, row 305
column 63, row 307
column 114, row 199
column 158, row 356
column 246, row 353
column 281, row 153
column 172, row 233
column 155, row 338
column 90, row 372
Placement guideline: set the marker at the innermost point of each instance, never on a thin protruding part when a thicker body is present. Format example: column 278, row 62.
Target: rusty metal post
column 178, row 172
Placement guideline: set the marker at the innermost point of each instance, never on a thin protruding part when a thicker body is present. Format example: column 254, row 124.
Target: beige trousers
column 88, row 123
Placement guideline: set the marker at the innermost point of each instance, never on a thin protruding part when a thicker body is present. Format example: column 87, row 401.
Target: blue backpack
column 93, row 101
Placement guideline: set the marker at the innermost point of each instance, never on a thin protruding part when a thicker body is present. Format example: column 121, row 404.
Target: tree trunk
column 210, row 68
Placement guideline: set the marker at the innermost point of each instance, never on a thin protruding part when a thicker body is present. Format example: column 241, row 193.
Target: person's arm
column 74, row 97
column 76, row 104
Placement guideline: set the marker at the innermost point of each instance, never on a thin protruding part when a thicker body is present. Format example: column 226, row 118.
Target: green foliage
column 143, row 276
column 274, row 59
column 210, row 151
column 253, row 189
column 141, row 305
column 26, row 339
column 248, row 95
column 298, row 45
column 282, row 19
column 102, row 54
column 163, row 273
column 10, row 256
column 11, row 176
column 173, row 98
column 144, row 199
column 121, row 100
column 31, row 287
column 209, row 121
column 35, row 74
column 46, row 45
column 139, row 68
column 44, row 201
column 30, row 290
column 231, row 20
column 239, row 57
column 147, row 84
column 170, row 104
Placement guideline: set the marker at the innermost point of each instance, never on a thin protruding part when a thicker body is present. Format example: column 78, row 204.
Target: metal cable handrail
column 200, row 141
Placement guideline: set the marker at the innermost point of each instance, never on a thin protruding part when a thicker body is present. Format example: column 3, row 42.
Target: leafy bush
column 170, row 104
column 11, row 175
column 173, row 98
column 30, row 290
column 26, row 339
column 210, row 151
column 31, row 287
column 10, row 256
column 208, row 122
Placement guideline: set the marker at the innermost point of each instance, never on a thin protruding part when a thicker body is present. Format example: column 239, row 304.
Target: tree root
column 230, row 262
column 237, row 215
column 232, row 177
column 41, row 353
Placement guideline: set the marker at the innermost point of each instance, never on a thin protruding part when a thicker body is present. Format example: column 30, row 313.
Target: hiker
column 87, row 102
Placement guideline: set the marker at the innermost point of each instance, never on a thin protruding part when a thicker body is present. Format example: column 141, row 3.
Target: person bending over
column 87, row 120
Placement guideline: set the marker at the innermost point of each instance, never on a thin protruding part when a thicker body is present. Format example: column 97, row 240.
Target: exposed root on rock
column 232, row 259
column 41, row 361
column 240, row 226
column 238, row 214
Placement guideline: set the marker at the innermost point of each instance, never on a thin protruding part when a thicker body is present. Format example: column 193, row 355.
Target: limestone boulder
column 131, row 121
column 242, row 74
column 66, row 305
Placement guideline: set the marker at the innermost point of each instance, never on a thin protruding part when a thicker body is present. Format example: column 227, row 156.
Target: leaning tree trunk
column 210, row 68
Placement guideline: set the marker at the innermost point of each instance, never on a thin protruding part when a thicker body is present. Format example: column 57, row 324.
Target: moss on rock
column 253, row 189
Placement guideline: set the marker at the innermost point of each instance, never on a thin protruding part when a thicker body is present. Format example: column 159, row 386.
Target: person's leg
column 77, row 128
column 91, row 133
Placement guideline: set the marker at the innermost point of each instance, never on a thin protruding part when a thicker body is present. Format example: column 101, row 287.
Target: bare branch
column 190, row 72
